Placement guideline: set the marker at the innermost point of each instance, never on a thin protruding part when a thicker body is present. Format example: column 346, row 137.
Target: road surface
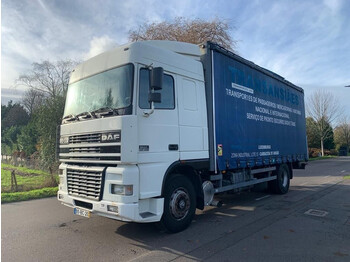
column 310, row 223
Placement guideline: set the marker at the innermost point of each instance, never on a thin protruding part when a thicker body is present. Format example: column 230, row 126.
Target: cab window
column 167, row 92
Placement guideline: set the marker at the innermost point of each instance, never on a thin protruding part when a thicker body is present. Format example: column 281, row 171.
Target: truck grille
column 85, row 183
column 85, row 150
column 102, row 147
column 87, row 138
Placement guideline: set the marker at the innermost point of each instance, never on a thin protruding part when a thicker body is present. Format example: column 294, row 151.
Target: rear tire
column 179, row 204
column 281, row 184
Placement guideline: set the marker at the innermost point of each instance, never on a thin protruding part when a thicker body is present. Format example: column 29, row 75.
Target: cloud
column 305, row 47
column 307, row 42
column 333, row 5
column 99, row 45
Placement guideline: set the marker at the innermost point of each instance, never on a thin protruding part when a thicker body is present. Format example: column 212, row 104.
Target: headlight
column 124, row 190
column 64, row 140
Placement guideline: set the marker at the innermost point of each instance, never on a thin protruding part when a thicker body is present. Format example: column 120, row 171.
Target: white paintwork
column 185, row 126
column 121, row 175
column 192, row 124
column 146, row 53
column 129, row 212
column 127, row 125
column 157, row 131
column 181, row 48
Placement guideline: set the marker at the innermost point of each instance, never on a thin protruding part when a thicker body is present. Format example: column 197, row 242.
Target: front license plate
column 81, row 212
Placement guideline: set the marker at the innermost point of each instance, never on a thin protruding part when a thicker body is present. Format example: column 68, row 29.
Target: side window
column 167, row 92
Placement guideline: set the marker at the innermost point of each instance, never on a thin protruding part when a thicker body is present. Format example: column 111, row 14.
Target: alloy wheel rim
column 179, row 203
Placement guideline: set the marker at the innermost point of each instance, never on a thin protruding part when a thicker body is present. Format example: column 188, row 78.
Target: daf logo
column 110, row 137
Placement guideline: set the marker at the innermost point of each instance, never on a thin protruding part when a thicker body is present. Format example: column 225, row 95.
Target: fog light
column 124, row 190
column 112, row 208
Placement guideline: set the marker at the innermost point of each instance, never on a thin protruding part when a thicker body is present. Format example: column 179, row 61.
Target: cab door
column 192, row 119
column 158, row 133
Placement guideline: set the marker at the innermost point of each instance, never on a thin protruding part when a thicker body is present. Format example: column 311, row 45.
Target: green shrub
column 28, row 195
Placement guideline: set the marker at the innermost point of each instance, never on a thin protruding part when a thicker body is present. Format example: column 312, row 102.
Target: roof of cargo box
column 216, row 47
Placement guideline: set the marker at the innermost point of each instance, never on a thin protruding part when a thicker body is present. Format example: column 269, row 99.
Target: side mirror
column 156, row 78
column 156, row 84
column 154, row 97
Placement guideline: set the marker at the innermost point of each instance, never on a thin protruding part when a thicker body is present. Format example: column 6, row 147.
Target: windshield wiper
column 103, row 111
column 86, row 114
column 70, row 117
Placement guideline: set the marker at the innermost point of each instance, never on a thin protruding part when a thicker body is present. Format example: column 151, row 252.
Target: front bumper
column 144, row 211
column 125, row 208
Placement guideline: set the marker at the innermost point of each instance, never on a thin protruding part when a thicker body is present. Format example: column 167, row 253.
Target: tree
column 32, row 100
column 5, row 109
column 323, row 108
column 50, row 79
column 342, row 133
column 14, row 115
column 9, row 140
column 48, row 117
column 313, row 138
column 44, row 100
column 194, row 31
column 328, row 143
column 28, row 138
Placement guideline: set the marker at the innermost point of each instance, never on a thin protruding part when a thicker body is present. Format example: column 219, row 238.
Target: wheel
column 179, row 204
column 281, row 184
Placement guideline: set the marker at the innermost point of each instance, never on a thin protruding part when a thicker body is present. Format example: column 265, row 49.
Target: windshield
column 109, row 89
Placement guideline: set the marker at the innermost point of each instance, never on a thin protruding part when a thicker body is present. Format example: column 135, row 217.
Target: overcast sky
column 307, row 42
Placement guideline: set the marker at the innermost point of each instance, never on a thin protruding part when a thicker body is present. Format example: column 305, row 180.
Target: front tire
column 281, row 184
column 179, row 204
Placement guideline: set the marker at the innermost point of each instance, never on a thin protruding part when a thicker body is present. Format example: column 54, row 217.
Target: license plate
column 81, row 212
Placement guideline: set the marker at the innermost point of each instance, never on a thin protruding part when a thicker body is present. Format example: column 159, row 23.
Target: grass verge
column 28, row 195
column 321, row 157
column 31, row 184
column 347, row 177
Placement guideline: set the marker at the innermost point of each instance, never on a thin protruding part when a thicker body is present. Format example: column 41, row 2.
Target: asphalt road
column 251, row 226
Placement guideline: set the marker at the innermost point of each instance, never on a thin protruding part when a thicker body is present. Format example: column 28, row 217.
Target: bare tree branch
column 48, row 78
column 342, row 132
column 32, row 100
column 181, row 29
column 323, row 108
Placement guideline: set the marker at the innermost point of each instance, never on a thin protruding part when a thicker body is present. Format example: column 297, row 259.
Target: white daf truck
column 152, row 130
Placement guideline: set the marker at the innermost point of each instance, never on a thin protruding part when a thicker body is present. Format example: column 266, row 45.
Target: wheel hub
column 179, row 203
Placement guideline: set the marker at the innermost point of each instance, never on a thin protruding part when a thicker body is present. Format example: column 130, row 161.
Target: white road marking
column 303, row 184
column 260, row 198
column 342, row 171
column 326, row 176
